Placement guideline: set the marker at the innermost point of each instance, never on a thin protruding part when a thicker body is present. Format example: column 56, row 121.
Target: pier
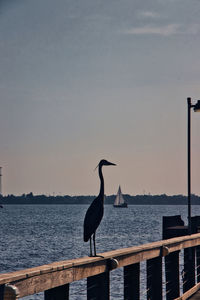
column 161, row 257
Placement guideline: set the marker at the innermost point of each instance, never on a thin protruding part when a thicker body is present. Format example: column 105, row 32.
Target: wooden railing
column 54, row 279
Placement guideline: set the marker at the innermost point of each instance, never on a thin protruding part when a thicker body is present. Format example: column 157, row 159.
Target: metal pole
column 189, row 165
column 0, row 181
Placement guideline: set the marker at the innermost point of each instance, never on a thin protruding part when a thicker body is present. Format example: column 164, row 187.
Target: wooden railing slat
column 98, row 287
column 132, row 282
column 189, row 269
column 198, row 263
column 172, row 275
column 58, row 293
column 154, row 279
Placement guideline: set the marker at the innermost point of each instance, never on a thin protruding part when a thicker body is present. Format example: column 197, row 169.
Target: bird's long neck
column 101, row 192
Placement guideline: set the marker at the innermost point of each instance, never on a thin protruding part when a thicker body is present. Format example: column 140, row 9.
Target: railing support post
column 198, row 263
column 57, row 293
column 132, row 282
column 154, row 278
column 189, row 269
column 98, row 287
column 172, row 275
column 2, row 287
column 9, row 292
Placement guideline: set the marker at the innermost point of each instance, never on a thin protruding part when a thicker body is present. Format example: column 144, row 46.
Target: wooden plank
column 172, row 276
column 58, row 293
column 132, row 282
column 51, row 280
column 154, row 279
column 98, row 287
column 43, row 282
column 189, row 269
column 189, row 293
column 31, row 272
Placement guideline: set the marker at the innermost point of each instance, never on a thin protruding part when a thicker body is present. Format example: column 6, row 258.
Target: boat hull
column 121, row 205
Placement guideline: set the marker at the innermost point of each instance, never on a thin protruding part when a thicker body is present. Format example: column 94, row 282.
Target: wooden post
column 10, row 292
column 198, row 263
column 173, row 226
column 132, row 282
column 189, row 269
column 172, row 275
column 98, row 287
column 57, row 293
column 154, row 278
column 2, row 291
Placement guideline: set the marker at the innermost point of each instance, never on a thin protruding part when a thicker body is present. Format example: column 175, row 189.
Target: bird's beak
column 111, row 164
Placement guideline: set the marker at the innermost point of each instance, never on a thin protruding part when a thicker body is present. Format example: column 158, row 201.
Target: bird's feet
column 96, row 255
column 99, row 256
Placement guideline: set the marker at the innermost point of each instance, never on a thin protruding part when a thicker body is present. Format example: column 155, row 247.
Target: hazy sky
column 86, row 80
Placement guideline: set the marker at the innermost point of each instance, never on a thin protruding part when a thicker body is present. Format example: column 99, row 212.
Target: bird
column 95, row 211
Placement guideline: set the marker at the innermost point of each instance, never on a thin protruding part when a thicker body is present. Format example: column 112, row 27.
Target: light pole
column 0, row 181
column 196, row 107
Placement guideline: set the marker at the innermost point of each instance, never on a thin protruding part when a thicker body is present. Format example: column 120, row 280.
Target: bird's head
column 104, row 162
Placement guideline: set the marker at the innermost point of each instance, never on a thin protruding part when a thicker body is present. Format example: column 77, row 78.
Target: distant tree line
column 131, row 200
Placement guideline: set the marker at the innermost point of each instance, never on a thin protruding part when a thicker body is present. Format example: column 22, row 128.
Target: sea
column 34, row 235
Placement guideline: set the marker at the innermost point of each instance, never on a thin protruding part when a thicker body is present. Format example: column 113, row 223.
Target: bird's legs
column 95, row 254
column 91, row 247
column 94, row 243
column 91, row 254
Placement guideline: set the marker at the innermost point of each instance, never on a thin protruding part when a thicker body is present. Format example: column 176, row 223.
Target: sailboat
column 119, row 200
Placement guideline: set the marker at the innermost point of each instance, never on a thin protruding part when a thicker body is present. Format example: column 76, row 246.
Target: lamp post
column 196, row 108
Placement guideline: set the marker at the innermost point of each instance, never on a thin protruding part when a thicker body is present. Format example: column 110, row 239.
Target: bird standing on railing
column 94, row 213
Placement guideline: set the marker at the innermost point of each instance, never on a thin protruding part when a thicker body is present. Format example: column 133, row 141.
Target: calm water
column 32, row 235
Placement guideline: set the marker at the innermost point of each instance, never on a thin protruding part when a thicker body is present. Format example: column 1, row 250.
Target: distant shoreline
column 131, row 200
column 8, row 204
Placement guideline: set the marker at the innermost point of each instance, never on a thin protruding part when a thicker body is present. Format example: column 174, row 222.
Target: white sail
column 119, row 198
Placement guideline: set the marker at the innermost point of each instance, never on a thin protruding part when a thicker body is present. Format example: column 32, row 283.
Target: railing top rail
column 173, row 244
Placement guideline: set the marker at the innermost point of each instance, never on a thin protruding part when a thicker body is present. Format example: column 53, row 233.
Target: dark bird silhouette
column 94, row 213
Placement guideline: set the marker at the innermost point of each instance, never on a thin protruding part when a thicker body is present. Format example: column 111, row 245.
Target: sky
column 87, row 80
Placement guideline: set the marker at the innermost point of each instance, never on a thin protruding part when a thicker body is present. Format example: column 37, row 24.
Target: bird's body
column 95, row 211
column 92, row 220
